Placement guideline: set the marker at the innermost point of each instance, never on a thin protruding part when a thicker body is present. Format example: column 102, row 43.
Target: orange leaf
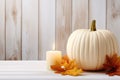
column 67, row 67
column 57, row 68
column 65, row 58
column 112, row 65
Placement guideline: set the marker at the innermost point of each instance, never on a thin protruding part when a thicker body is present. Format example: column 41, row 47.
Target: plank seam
column 106, row 15
column 5, row 29
column 55, row 24
column 21, row 29
column 38, row 31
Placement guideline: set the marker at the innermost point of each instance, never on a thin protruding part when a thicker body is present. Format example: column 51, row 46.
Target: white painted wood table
column 36, row 70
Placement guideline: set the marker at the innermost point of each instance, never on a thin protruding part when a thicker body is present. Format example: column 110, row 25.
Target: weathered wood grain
column 63, row 23
column 13, row 29
column 46, row 26
column 113, row 18
column 97, row 11
column 30, row 29
column 80, row 14
column 2, row 29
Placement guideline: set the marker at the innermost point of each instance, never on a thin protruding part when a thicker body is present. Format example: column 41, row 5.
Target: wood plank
column 13, row 29
column 97, row 11
column 2, row 29
column 46, row 26
column 30, row 29
column 80, row 14
column 63, row 23
column 113, row 17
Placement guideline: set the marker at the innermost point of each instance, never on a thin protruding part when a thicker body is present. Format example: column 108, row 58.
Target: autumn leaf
column 73, row 72
column 65, row 58
column 112, row 65
column 67, row 67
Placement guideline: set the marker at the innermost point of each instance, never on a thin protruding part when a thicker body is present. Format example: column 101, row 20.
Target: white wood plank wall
column 113, row 18
column 13, row 29
column 2, row 29
column 63, row 23
column 29, row 28
column 46, row 26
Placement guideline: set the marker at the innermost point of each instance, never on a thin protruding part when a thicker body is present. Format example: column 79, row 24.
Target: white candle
column 52, row 57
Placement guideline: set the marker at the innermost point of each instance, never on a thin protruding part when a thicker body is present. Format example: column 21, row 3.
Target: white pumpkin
column 89, row 47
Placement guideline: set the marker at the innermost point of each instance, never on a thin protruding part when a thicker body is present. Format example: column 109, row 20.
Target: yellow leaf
column 73, row 72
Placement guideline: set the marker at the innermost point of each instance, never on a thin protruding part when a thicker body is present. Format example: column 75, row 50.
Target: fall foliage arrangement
column 67, row 67
column 70, row 67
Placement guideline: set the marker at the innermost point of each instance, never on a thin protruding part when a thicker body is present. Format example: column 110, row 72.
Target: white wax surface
column 52, row 57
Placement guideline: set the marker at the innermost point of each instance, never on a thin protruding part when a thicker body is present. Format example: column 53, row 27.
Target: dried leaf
column 65, row 58
column 57, row 68
column 112, row 65
column 67, row 67
column 73, row 72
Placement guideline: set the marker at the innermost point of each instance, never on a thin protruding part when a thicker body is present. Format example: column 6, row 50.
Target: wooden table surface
column 36, row 70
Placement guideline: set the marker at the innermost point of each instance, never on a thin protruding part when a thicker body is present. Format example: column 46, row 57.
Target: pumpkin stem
column 93, row 25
